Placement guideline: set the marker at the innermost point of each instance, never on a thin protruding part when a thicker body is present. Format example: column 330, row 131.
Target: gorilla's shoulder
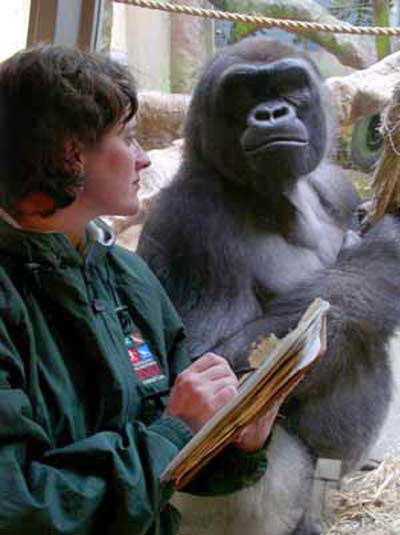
column 192, row 194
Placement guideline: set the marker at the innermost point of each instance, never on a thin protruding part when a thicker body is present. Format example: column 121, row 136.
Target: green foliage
column 240, row 30
column 381, row 18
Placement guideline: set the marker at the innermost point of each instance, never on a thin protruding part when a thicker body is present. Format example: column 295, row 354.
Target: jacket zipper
column 97, row 309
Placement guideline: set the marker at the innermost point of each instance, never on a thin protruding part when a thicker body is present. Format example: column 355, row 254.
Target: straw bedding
column 368, row 503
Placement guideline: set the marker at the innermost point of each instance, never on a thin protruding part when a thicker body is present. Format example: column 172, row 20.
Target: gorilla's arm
column 361, row 287
column 328, row 408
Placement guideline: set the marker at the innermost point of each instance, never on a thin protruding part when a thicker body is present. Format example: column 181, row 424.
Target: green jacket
column 89, row 347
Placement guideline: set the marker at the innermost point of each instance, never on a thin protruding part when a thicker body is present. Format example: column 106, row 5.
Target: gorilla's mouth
column 276, row 142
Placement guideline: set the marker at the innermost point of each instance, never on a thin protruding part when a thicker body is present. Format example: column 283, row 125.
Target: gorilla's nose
column 271, row 114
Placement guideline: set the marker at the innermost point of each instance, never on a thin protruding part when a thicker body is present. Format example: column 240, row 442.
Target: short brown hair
column 49, row 95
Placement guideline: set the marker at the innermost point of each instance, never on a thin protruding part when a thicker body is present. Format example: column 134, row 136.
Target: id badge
column 142, row 359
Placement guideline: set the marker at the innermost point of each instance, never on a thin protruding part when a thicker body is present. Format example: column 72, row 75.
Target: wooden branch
column 365, row 92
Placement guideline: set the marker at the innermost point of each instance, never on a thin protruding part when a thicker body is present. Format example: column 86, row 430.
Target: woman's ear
column 74, row 158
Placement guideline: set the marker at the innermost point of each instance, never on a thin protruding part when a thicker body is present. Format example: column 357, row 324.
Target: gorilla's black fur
column 256, row 224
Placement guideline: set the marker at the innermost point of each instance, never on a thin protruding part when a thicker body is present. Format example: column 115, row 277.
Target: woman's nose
column 142, row 159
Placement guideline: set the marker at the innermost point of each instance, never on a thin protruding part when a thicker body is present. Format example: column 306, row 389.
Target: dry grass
column 386, row 182
column 369, row 503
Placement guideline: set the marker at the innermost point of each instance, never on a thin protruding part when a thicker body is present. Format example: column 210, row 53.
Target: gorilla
column 256, row 224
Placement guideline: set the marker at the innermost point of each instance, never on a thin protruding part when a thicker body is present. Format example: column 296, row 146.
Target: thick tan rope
column 266, row 22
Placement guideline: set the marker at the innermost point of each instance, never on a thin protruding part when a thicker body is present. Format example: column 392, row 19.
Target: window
column 164, row 51
column 14, row 22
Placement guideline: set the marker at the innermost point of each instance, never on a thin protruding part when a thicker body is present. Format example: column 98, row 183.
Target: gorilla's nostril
column 263, row 115
column 280, row 112
column 271, row 114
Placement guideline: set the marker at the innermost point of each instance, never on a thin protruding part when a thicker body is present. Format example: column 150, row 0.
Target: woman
column 94, row 402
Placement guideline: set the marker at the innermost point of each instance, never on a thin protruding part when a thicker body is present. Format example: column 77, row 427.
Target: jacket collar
column 52, row 248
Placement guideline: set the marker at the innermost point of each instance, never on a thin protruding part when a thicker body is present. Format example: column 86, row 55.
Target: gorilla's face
column 264, row 121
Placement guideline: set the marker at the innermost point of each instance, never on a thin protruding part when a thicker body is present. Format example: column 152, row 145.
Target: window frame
column 47, row 22
column 42, row 21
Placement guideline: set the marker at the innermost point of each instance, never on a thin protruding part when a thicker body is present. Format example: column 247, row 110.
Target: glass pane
column 150, row 41
column 14, row 21
column 166, row 52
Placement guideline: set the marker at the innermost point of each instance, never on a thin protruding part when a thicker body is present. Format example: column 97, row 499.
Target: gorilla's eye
column 297, row 97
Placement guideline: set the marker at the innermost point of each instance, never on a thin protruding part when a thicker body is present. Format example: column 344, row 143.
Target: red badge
column 134, row 356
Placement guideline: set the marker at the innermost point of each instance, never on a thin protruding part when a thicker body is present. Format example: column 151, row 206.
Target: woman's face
column 112, row 170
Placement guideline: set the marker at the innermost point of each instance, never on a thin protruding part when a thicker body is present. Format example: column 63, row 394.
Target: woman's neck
column 36, row 213
column 64, row 220
column 48, row 224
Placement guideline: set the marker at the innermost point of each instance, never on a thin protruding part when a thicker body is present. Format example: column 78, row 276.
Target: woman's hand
column 252, row 437
column 201, row 390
